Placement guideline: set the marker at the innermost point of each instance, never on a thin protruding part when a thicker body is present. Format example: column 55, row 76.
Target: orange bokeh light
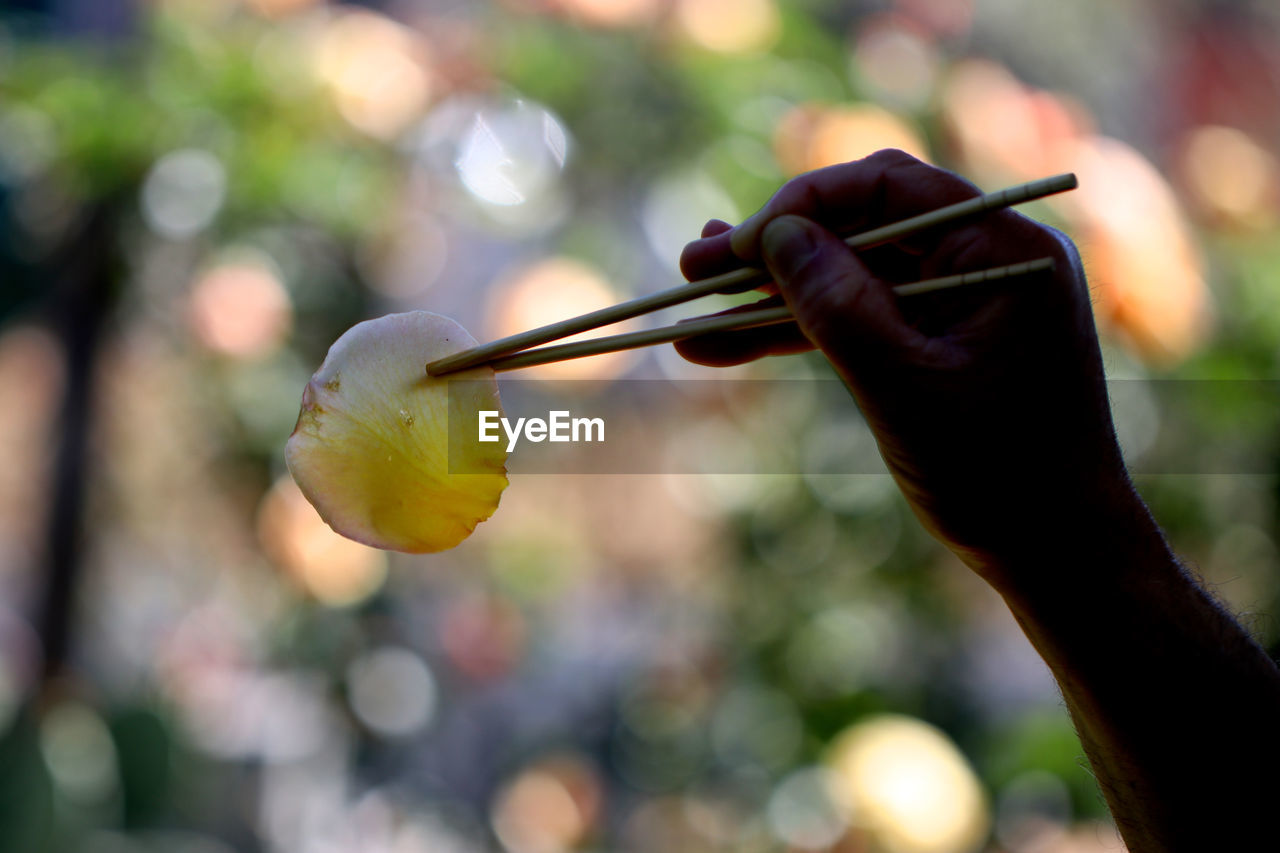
column 280, row 8
column 552, row 290
column 550, row 807
column 1137, row 245
column 1003, row 129
column 240, row 309
column 812, row 136
column 612, row 13
column 1231, row 178
column 334, row 569
column 1139, row 250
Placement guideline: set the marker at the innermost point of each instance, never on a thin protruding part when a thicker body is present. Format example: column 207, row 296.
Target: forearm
column 1177, row 708
column 982, row 399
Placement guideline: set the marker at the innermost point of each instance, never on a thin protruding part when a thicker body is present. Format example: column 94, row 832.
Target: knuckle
column 893, row 157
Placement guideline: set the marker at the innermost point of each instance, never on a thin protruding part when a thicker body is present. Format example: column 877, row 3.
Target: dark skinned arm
column 990, row 409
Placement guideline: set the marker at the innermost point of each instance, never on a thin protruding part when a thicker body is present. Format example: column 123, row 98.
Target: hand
column 988, row 401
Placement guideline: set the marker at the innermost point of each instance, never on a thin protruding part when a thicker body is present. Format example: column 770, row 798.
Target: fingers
column 844, row 302
column 885, row 187
column 714, row 227
column 710, row 255
column 840, row 306
column 723, row 349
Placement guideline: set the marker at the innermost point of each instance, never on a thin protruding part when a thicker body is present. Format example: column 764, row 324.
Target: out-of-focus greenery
column 640, row 662
column 109, row 111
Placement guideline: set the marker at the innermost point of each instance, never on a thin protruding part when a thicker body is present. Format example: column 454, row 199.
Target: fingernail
column 787, row 245
column 744, row 236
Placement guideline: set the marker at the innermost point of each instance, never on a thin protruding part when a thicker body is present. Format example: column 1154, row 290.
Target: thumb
column 842, row 308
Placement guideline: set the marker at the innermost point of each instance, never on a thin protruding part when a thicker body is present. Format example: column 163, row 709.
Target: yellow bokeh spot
column 376, row 71
column 372, row 449
column 906, row 784
column 729, row 26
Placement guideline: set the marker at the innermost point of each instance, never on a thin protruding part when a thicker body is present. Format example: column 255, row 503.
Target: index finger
column 887, row 186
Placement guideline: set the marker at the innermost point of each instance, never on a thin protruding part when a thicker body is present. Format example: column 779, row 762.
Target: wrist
column 1101, row 539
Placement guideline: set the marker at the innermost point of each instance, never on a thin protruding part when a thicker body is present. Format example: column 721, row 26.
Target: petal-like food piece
column 372, row 449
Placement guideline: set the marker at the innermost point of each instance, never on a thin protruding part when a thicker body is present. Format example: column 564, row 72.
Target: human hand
column 988, row 402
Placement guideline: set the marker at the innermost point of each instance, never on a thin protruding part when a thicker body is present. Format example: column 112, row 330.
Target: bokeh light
column 546, row 292
column 729, row 26
column 512, row 154
column 948, row 18
column 678, row 205
column 549, row 807
column 281, row 8
column 895, row 62
column 612, row 13
column 844, row 649
column 1137, row 243
column 812, row 136
column 1003, row 129
column 801, row 812
column 484, row 637
column 334, row 569
column 79, row 753
column 376, row 69
column 907, row 784
column 756, row 726
column 236, row 712
column 392, row 691
column 1231, row 178
column 1146, row 268
column 192, row 212
column 183, row 192
column 240, row 308
column 687, row 823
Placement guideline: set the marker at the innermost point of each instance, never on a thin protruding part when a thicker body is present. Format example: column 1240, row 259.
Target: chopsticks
column 739, row 321
column 505, row 353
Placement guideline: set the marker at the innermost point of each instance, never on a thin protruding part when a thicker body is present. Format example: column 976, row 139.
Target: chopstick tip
column 436, row 368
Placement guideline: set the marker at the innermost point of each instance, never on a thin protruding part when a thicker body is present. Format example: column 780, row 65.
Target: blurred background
column 198, row 196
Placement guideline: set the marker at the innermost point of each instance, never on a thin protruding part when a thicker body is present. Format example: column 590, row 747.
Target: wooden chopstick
column 736, row 322
column 743, row 279
column 646, row 338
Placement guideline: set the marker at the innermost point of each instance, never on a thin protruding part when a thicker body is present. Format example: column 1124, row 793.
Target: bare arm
column 991, row 413
column 1177, row 708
